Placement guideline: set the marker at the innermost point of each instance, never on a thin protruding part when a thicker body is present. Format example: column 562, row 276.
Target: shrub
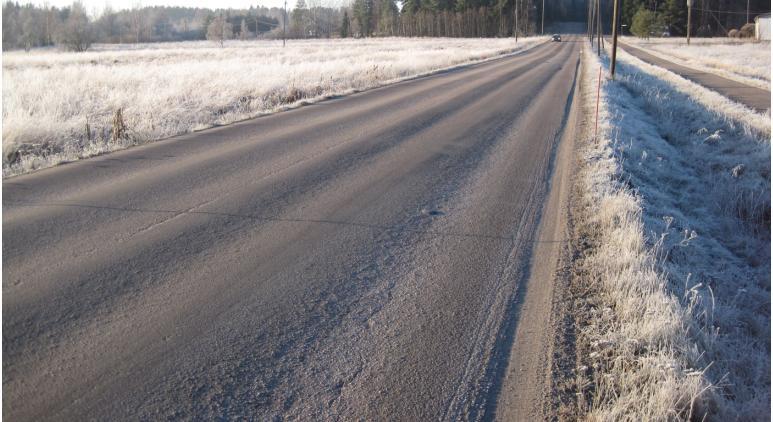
column 644, row 22
column 747, row 31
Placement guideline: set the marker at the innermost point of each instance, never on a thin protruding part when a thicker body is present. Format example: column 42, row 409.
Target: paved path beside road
column 756, row 98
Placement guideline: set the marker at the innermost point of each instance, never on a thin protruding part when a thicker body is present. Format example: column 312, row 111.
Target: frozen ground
column 741, row 60
column 676, row 216
column 60, row 106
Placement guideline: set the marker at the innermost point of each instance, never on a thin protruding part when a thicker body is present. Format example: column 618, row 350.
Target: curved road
column 356, row 258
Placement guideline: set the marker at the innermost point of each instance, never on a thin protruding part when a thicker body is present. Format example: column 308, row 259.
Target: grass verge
column 668, row 300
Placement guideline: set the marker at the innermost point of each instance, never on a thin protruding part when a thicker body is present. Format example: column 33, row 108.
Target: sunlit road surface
column 356, row 258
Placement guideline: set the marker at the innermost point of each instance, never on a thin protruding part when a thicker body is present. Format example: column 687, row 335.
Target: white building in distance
column 762, row 27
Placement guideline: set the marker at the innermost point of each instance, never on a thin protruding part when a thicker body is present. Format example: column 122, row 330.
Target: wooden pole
column 592, row 22
column 592, row 26
column 598, row 27
column 689, row 19
column 614, row 38
column 516, row 20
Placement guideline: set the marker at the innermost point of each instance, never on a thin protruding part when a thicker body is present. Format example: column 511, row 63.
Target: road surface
column 753, row 97
column 363, row 257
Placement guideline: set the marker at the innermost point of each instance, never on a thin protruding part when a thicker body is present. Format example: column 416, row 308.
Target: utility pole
column 598, row 27
column 614, row 37
column 747, row 11
column 542, row 30
column 591, row 21
column 689, row 19
column 516, row 20
column 284, row 26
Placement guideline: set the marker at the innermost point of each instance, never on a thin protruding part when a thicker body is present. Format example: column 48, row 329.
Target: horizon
column 95, row 7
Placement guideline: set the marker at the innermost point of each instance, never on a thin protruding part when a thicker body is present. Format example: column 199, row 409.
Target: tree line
column 29, row 25
column 72, row 27
column 710, row 18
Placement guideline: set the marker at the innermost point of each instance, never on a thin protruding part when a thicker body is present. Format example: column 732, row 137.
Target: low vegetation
column 28, row 26
column 62, row 106
column 671, row 292
column 744, row 61
column 657, row 18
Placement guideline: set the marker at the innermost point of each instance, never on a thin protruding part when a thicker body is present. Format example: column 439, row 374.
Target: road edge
column 528, row 381
column 562, row 403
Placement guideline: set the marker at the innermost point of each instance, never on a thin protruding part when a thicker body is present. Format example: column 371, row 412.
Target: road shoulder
column 527, row 384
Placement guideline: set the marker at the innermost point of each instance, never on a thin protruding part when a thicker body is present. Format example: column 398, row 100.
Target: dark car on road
column 556, row 38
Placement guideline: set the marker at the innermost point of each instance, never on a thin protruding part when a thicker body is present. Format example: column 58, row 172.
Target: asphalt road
column 356, row 258
column 753, row 97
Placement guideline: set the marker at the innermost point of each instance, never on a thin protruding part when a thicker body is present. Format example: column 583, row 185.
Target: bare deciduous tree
column 219, row 30
column 76, row 33
column 243, row 30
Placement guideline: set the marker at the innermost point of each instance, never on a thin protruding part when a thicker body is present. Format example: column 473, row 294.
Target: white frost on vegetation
column 167, row 89
column 681, row 255
column 706, row 99
column 745, row 61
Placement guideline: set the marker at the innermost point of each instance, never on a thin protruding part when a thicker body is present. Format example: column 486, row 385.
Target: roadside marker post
column 598, row 98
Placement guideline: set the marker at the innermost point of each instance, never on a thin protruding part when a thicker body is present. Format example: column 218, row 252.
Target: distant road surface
column 750, row 96
column 361, row 257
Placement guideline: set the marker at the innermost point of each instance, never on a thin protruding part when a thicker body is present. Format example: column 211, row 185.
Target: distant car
column 556, row 38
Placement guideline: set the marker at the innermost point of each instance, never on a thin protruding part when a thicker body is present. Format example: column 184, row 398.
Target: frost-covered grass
column 675, row 209
column 742, row 60
column 49, row 97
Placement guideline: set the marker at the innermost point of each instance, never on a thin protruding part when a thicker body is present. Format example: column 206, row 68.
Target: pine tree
column 363, row 12
column 388, row 17
column 630, row 7
column 411, row 6
column 675, row 16
column 299, row 18
column 345, row 25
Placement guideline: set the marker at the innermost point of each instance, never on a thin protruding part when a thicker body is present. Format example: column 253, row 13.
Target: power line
column 727, row 11
column 267, row 23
